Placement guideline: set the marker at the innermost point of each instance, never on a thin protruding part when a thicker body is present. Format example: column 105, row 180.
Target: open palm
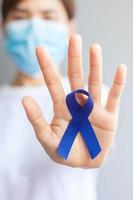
column 104, row 119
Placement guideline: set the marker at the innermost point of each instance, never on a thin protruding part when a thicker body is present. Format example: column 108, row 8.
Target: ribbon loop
column 79, row 123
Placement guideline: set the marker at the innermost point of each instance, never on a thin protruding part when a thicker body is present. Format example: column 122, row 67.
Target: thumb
column 42, row 129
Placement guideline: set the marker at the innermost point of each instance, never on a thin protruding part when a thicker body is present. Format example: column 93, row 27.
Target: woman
column 26, row 172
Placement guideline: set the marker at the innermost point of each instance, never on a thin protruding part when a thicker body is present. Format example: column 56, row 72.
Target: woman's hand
column 104, row 120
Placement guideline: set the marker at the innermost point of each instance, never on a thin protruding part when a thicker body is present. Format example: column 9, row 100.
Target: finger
column 95, row 74
column 116, row 90
column 51, row 76
column 35, row 116
column 75, row 71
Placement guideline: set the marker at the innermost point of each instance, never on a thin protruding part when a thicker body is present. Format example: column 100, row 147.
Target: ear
column 1, row 25
column 73, row 27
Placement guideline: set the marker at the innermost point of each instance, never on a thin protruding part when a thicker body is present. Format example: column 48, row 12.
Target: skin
column 44, row 9
column 104, row 119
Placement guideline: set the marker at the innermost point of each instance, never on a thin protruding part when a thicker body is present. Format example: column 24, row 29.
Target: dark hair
column 8, row 5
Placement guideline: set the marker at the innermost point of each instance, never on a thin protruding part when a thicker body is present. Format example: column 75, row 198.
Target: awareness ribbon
column 79, row 123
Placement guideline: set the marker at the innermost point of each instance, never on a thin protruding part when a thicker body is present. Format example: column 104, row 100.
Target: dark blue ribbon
column 79, row 123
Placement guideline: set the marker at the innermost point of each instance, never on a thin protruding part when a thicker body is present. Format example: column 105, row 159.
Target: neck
column 24, row 80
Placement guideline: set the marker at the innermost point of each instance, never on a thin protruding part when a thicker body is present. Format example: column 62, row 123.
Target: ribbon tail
column 90, row 139
column 67, row 140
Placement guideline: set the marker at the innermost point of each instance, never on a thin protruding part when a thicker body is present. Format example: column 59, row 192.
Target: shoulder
column 3, row 88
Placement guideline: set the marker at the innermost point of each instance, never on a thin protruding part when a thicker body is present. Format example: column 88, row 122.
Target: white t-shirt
column 26, row 171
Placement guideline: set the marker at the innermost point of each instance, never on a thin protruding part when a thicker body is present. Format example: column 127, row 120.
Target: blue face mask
column 22, row 38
